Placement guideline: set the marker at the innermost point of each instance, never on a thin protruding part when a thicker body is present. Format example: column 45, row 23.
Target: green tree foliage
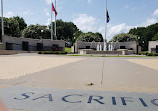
column 13, row 26
column 68, row 31
column 76, row 35
column 21, row 21
column 14, row 29
column 155, row 38
column 34, row 31
column 90, row 37
column 146, row 34
column 65, row 30
column 124, row 38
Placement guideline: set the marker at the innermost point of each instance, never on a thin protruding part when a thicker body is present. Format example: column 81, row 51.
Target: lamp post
column 42, row 38
column 138, row 40
column 74, row 39
column 42, row 35
column 74, row 44
column 138, row 45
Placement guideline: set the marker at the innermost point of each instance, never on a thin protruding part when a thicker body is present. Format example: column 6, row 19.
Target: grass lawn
column 68, row 50
column 106, row 56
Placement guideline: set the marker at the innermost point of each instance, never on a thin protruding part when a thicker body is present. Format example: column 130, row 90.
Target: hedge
column 152, row 54
column 52, row 52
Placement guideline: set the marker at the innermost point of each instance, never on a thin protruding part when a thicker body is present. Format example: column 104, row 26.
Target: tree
column 13, row 29
column 13, row 26
column 34, row 31
column 65, row 30
column 98, row 37
column 146, row 34
column 76, row 35
column 124, row 38
column 90, row 37
column 155, row 38
column 21, row 21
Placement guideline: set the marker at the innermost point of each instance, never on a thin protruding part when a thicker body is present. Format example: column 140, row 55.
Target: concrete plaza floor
column 118, row 74
column 48, row 71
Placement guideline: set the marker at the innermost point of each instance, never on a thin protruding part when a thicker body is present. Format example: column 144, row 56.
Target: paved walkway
column 116, row 74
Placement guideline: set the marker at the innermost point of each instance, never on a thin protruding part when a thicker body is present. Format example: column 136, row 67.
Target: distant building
column 153, row 47
column 85, row 45
column 132, row 46
column 28, row 44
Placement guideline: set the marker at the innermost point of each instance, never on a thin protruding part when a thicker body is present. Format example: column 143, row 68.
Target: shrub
column 150, row 54
column 68, row 50
column 52, row 52
column 144, row 53
column 131, row 49
column 155, row 54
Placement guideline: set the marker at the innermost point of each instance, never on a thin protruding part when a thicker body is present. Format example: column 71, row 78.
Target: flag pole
column 51, row 23
column 105, row 40
column 55, row 21
column 106, row 23
column 2, row 18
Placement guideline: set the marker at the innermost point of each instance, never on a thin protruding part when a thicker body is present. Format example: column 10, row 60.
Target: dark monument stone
column 39, row 46
column 122, row 47
column 25, row 46
column 9, row 46
column 88, row 47
column 156, row 48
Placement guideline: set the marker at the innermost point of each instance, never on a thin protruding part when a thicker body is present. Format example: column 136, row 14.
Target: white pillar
column 51, row 23
column 2, row 18
column 55, row 22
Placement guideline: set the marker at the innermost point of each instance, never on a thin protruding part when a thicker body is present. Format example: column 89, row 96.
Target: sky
column 88, row 15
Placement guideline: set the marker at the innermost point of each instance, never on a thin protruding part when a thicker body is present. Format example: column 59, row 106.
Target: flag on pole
column 108, row 18
column 53, row 8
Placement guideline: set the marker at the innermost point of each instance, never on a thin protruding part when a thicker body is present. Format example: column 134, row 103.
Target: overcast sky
column 88, row 15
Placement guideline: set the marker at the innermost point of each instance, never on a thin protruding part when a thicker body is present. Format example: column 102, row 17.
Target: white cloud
column 89, row 23
column 117, row 29
column 114, row 30
column 85, row 22
column 155, row 12
column 124, row 28
column 48, row 22
column 9, row 14
column 149, row 22
column 102, row 30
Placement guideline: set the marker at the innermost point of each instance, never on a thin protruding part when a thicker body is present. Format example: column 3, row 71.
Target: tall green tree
column 14, row 29
column 21, row 21
column 65, row 30
column 146, row 34
column 155, row 38
column 13, row 26
column 34, row 31
column 76, row 35
column 124, row 38
column 90, row 37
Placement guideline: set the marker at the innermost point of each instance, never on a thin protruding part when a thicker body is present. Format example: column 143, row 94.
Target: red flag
column 53, row 8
